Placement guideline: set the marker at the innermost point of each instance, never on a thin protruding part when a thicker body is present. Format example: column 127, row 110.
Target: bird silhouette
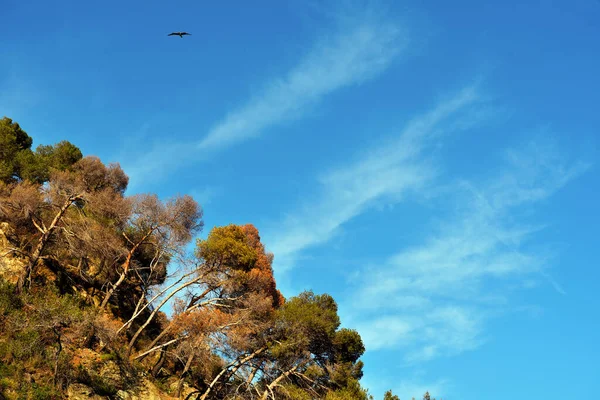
column 180, row 34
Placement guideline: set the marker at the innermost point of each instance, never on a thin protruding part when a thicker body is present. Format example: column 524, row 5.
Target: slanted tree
column 232, row 279
column 155, row 231
column 242, row 342
column 248, row 293
column 194, row 333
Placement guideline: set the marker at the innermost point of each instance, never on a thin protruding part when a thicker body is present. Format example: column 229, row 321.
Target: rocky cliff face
column 10, row 262
column 145, row 391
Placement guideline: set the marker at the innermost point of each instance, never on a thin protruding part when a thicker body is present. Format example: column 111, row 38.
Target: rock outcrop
column 11, row 265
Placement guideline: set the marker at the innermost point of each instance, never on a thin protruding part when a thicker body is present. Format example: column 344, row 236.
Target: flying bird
column 180, row 34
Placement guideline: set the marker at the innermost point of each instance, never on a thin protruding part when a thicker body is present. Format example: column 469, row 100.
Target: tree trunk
column 56, row 357
column 182, row 376
column 156, row 310
column 157, row 339
column 239, row 362
column 252, row 375
column 190, row 306
column 138, row 312
column 271, row 385
column 157, row 367
column 126, row 266
column 162, row 346
column 114, row 287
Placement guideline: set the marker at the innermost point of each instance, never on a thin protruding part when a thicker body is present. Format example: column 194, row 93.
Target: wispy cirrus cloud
column 350, row 57
column 435, row 298
column 389, row 171
column 359, row 50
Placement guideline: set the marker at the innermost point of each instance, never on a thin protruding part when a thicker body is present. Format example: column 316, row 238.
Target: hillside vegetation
column 88, row 276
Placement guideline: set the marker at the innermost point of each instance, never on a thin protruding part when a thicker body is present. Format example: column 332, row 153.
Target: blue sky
column 432, row 165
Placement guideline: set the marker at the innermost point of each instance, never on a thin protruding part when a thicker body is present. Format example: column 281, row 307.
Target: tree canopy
column 18, row 162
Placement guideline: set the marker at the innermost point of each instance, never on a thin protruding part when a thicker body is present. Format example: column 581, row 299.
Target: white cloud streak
column 441, row 292
column 387, row 172
column 433, row 300
column 350, row 57
column 360, row 50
